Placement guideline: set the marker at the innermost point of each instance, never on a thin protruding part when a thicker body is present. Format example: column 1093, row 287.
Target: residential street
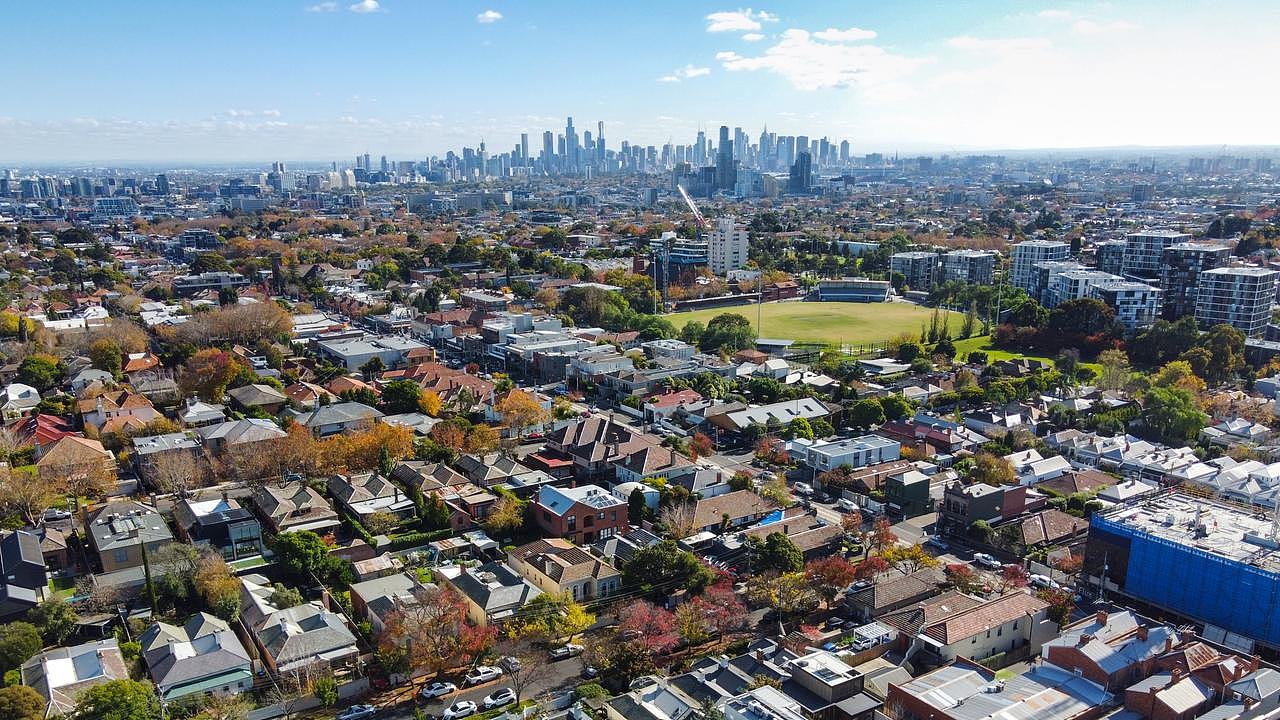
column 399, row 703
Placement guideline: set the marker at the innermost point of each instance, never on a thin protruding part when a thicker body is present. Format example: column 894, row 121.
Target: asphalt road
column 550, row 679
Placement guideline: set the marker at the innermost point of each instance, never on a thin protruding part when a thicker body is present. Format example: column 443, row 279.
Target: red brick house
column 583, row 514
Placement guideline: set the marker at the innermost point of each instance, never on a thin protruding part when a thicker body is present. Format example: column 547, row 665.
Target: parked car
column 505, row 696
column 460, row 709
column 438, row 690
column 938, row 543
column 567, row 651
column 803, row 488
column 590, row 672
column 835, row 623
column 847, row 505
column 1040, row 581
column 482, row 674
column 358, row 712
column 510, row 664
column 56, row 514
column 987, row 561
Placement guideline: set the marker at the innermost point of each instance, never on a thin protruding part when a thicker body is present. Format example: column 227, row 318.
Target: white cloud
column 271, row 113
column 753, row 37
column 488, row 16
column 685, row 73
column 853, row 34
column 323, row 7
column 365, row 6
column 811, row 65
column 968, row 43
column 239, row 113
column 1053, row 14
column 738, row 20
column 1090, row 27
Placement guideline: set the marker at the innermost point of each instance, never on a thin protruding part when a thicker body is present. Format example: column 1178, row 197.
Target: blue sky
column 315, row 80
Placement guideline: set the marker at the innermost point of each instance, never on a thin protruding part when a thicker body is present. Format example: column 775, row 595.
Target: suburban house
column 159, row 452
column 61, row 674
column 204, row 656
column 117, row 531
column 879, row 598
column 972, row 692
column 114, row 406
column 1110, row 648
column 41, row 431
column 17, row 400
column 364, row 494
column 1015, row 622
column 259, row 397
column 25, row 576
column 290, row 638
column 220, row 524
column 582, row 514
column 329, row 420
column 294, row 506
column 728, row 511
column 823, row 455
column 557, row 566
column 75, row 455
column 222, row 436
column 493, row 591
column 374, row 600
column 779, row 414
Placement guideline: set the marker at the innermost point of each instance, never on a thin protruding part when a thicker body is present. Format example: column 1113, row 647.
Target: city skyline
column 318, row 80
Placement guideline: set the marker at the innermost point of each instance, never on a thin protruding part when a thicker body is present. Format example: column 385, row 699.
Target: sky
column 295, row 80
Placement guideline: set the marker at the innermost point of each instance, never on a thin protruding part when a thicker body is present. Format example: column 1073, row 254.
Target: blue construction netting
column 1233, row 595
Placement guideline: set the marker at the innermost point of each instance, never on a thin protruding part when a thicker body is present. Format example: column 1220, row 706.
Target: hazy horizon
column 160, row 82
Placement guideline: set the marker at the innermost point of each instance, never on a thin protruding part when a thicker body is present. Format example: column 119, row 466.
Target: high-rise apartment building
column 1180, row 269
column 727, row 246
column 1029, row 252
column 1136, row 304
column 919, row 268
column 976, row 267
column 1109, row 255
column 1143, row 250
column 1238, row 296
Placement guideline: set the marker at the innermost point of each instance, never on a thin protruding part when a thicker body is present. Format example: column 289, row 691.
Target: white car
column 56, row 514
column 482, row 674
column 1040, row 581
column 803, row 488
column 438, row 690
column 505, row 696
column 987, row 561
column 568, row 651
column 460, row 709
column 847, row 505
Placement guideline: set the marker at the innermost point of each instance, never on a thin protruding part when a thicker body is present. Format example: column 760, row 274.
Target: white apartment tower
column 1025, row 256
column 1238, row 296
column 727, row 246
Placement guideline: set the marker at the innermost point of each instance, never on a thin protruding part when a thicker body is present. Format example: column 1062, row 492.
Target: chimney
column 1142, row 633
column 1168, row 643
column 760, row 656
column 225, row 497
column 673, row 456
column 1177, row 673
column 1102, row 617
column 1084, row 639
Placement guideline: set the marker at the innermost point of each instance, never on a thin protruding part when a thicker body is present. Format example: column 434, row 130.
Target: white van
column 846, row 505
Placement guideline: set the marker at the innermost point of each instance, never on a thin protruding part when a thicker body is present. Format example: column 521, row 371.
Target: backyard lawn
column 836, row 323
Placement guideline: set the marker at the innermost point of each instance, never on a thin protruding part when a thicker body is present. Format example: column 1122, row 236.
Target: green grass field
column 982, row 342
column 836, row 323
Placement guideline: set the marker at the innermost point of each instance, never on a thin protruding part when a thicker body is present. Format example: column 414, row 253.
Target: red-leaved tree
column 651, row 625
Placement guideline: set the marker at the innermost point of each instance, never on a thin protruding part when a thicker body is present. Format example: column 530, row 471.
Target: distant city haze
column 162, row 82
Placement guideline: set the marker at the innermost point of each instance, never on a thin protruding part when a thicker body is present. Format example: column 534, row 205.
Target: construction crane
column 700, row 221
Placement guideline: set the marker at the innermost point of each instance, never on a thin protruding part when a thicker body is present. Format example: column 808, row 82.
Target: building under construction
column 1203, row 560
